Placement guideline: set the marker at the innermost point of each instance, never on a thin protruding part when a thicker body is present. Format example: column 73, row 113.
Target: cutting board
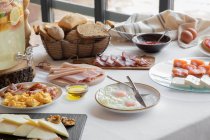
column 75, row 132
column 90, row 61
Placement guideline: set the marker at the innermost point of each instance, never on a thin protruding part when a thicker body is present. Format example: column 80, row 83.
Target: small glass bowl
column 76, row 91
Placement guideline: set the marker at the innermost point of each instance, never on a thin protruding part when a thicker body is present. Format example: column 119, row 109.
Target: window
column 119, row 10
column 195, row 8
column 134, row 6
column 63, row 7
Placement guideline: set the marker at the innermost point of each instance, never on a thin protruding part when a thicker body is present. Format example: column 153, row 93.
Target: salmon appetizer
column 189, row 67
column 206, row 67
column 179, row 63
column 197, row 62
column 208, row 72
column 197, row 72
column 179, row 72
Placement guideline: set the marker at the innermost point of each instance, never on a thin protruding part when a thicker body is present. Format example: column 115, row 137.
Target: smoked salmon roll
column 189, row 67
column 206, row 67
column 197, row 62
column 179, row 72
column 179, row 63
column 197, row 72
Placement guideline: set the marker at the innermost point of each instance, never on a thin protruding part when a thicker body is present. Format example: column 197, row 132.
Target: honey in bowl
column 76, row 92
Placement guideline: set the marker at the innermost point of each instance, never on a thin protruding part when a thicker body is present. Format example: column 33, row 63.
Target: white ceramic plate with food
column 161, row 73
column 200, row 46
column 31, row 87
column 120, row 98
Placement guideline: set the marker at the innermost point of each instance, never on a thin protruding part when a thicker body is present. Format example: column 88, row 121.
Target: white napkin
column 174, row 21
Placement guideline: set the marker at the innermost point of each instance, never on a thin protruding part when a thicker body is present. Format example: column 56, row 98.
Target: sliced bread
column 92, row 31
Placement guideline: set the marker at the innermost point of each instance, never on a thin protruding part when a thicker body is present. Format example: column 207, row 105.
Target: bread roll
column 43, row 33
column 55, row 32
column 72, row 20
column 73, row 37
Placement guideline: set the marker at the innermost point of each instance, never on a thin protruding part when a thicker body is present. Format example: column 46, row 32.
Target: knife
column 146, row 94
column 137, row 95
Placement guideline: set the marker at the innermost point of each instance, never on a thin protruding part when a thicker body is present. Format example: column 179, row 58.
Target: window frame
column 99, row 11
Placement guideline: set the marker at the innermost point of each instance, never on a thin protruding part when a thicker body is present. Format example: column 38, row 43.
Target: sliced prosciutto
column 124, row 60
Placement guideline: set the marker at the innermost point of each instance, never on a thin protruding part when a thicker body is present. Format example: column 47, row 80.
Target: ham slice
column 130, row 63
column 104, row 58
column 54, row 76
column 65, row 70
column 142, row 62
column 84, row 76
column 119, row 62
column 69, row 73
column 99, row 62
column 66, row 65
column 110, row 61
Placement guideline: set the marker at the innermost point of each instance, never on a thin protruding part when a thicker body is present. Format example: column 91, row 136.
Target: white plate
column 149, row 94
column 201, row 49
column 37, row 107
column 161, row 73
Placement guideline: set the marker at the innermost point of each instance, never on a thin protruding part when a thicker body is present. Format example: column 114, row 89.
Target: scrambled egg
column 27, row 100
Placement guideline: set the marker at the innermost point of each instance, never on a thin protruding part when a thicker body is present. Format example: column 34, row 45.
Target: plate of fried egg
column 29, row 95
column 121, row 98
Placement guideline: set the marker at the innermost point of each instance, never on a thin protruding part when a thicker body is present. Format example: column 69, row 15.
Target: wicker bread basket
column 61, row 50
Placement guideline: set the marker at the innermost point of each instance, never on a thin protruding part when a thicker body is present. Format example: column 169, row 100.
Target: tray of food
column 29, row 95
column 123, row 61
column 42, row 126
column 189, row 74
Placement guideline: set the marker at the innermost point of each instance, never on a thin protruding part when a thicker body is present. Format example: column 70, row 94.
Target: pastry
column 92, row 31
column 55, row 32
column 72, row 20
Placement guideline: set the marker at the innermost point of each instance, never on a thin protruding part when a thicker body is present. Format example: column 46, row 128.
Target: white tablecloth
column 178, row 116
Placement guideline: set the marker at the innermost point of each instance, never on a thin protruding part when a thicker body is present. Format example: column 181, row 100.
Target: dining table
column 179, row 115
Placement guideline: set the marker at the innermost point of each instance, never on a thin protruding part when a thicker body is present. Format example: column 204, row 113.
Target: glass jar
column 12, row 34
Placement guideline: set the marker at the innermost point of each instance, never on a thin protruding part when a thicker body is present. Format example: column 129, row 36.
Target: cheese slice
column 16, row 119
column 34, row 122
column 41, row 133
column 23, row 130
column 205, row 80
column 7, row 127
column 179, row 82
column 193, row 81
column 57, row 128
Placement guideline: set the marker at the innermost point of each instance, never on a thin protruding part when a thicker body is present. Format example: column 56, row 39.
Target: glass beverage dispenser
column 12, row 34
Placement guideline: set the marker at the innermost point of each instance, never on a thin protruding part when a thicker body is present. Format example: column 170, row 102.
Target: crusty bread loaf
column 73, row 37
column 72, row 20
column 92, row 31
column 55, row 31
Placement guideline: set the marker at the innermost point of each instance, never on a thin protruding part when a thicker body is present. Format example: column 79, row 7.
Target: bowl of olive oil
column 76, row 91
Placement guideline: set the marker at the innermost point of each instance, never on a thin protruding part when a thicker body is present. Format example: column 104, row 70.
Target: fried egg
column 119, row 99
